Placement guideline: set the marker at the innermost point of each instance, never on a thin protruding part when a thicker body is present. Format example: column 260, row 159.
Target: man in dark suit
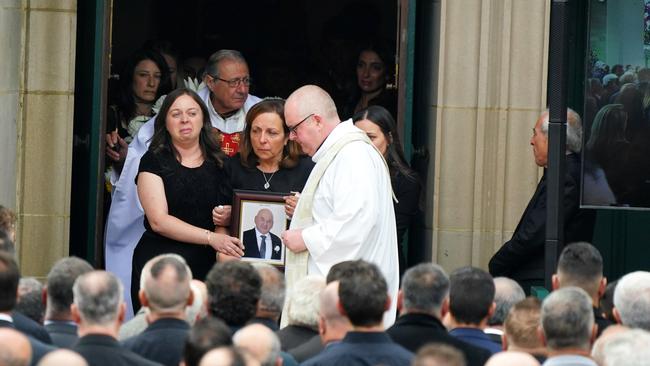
column 9, row 277
column 260, row 242
column 165, row 292
column 99, row 309
column 423, row 301
column 522, row 257
column 58, row 320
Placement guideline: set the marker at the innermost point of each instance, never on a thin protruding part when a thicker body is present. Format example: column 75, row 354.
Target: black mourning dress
column 191, row 195
column 284, row 180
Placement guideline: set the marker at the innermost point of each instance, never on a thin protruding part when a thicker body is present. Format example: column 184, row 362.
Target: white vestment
column 125, row 222
column 353, row 215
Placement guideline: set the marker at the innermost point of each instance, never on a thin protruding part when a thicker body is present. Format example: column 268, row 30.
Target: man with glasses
column 227, row 81
column 345, row 212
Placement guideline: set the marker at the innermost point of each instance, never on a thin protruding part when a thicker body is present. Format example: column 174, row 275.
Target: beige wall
column 490, row 88
column 37, row 90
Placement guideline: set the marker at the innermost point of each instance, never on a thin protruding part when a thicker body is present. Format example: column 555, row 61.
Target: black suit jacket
column 39, row 349
column 63, row 334
column 162, row 341
column 307, row 350
column 29, row 326
column 293, row 336
column 103, row 350
column 522, row 257
column 250, row 245
column 413, row 331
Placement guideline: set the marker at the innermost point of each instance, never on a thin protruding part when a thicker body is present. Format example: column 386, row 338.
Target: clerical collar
column 227, row 114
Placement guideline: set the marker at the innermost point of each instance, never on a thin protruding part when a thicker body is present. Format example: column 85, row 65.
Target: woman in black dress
column 379, row 125
column 179, row 183
column 267, row 160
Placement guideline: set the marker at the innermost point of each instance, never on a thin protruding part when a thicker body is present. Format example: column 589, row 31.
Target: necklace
column 268, row 181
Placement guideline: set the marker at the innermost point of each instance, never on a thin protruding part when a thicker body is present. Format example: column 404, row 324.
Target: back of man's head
column 97, row 298
column 507, row 293
column 332, row 324
column 260, row 342
column 438, row 354
column 233, row 291
column 59, row 285
column 522, row 323
column 272, row 291
column 223, row 356
column 567, row 319
column 206, row 334
column 580, row 265
column 632, row 300
column 512, row 358
column 471, row 295
column 15, row 349
column 303, row 303
column 167, row 284
column 62, row 356
column 364, row 295
column 424, row 289
column 340, row 270
column 625, row 348
column 9, row 278
column 30, row 299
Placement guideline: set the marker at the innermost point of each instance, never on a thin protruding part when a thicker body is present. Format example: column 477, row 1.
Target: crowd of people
column 463, row 318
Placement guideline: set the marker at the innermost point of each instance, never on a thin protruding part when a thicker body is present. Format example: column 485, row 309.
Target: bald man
column 260, row 342
column 260, row 242
column 345, row 211
column 62, row 357
column 512, row 358
column 14, row 348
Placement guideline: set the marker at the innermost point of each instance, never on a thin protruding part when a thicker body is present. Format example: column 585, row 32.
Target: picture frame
column 251, row 211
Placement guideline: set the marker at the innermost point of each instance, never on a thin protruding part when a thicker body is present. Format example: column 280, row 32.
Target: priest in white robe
column 345, row 211
column 225, row 94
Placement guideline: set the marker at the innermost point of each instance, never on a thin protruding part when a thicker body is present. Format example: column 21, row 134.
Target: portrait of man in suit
column 260, row 242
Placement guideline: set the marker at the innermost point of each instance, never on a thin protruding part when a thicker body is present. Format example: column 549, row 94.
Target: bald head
column 512, row 358
column 264, row 220
column 167, row 284
column 260, row 342
column 312, row 99
column 332, row 325
column 15, row 349
column 62, row 357
column 222, row 356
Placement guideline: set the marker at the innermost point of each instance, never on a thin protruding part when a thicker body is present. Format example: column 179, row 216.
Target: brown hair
column 522, row 322
column 291, row 151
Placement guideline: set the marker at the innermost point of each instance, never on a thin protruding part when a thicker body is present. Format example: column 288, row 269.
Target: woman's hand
column 290, row 203
column 227, row 245
column 116, row 147
column 221, row 215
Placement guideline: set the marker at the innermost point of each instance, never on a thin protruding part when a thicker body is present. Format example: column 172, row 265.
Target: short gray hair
column 507, row 293
column 59, row 283
column 567, row 319
column 573, row 130
column 273, row 288
column 303, row 307
column 632, row 299
column 98, row 295
column 425, row 287
column 212, row 68
column 164, row 295
column 627, row 348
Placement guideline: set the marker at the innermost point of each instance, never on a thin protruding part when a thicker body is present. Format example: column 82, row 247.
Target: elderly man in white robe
column 345, row 212
column 225, row 93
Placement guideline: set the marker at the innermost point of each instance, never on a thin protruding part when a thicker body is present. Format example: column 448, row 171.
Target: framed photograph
column 258, row 219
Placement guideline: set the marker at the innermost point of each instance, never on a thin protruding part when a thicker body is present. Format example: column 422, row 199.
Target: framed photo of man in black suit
column 258, row 219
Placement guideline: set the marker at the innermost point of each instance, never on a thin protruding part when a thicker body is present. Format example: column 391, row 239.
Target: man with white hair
column 345, row 211
column 624, row 348
column 165, row 292
column 302, row 312
column 568, row 327
column 506, row 294
column 632, row 300
column 522, row 257
column 99, row 308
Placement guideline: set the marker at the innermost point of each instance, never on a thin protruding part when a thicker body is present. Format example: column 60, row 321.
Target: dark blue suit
column 250, row 245
column 363, row 348
column 477, row 338
column 162, row 341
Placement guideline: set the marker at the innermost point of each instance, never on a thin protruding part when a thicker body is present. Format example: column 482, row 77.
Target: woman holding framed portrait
column 267, row 160
column 179, row 182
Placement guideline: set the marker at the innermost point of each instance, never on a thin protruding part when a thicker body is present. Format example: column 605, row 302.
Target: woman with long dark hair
column 380, row 127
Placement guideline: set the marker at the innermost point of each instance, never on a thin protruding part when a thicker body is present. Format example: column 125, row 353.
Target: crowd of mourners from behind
column 457, row 319
column 617, row 136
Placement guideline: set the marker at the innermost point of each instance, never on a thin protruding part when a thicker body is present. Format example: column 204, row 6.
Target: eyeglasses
column 294, row 128
column 234, row 83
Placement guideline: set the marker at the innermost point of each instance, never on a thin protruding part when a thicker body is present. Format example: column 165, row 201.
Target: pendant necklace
column 267, row 183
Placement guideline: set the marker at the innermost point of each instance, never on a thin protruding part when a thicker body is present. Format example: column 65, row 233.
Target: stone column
column 490, row 88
